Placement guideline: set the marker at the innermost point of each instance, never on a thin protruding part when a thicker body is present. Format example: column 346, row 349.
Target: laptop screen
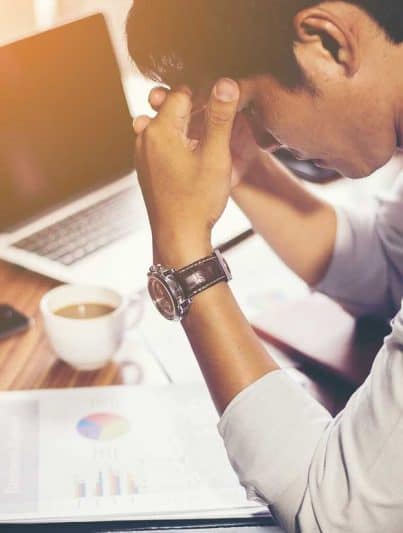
column 65, row 127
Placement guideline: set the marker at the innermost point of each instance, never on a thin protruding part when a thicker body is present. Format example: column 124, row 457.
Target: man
column 324, row 79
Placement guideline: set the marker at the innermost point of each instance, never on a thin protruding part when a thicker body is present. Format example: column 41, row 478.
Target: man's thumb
column 221, row 113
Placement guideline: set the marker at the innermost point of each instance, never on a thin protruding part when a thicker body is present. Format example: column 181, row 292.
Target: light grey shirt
column 343, row 474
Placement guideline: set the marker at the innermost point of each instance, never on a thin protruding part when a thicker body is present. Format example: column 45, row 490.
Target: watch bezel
column 179, row 302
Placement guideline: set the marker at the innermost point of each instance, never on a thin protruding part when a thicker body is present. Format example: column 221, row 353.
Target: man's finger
column 221, row 113
column 138, row 146
column 176, row 110
column 157, row 97
column 140, row 124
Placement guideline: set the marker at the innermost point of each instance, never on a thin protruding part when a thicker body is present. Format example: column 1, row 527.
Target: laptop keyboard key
column 82, row 234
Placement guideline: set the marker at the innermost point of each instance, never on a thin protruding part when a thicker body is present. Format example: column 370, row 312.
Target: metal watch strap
column 201, row 275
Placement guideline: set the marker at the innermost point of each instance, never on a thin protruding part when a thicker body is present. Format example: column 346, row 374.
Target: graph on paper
column 106, row 483
column 103, row 426
column 114, row 452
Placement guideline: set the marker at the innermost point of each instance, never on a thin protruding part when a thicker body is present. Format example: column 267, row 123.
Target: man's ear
column 332, row 33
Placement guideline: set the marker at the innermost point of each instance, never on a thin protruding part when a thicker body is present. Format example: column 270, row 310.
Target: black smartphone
column 12, row 321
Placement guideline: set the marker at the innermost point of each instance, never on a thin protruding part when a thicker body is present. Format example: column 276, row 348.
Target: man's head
column 321, row 77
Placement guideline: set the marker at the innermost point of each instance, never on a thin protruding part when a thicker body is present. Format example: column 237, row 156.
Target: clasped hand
column 185, row 182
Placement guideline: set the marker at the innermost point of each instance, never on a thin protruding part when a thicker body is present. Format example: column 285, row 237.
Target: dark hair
column 192, row 41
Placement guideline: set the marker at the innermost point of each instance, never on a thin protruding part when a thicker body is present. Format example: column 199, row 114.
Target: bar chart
column 107, row 483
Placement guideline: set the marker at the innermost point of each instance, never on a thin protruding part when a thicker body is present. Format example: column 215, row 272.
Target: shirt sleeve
column 366, row 271
column 316, row 473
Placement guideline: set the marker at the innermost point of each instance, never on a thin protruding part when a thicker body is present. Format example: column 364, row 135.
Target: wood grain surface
column 26, row 359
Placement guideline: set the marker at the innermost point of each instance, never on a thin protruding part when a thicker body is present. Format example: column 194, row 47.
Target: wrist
column 255, row 167
column 181, row 253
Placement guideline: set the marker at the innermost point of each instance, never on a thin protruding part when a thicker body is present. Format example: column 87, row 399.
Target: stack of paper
column 115, row 453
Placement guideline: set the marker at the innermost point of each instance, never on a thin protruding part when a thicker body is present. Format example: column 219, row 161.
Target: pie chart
column 103, row 426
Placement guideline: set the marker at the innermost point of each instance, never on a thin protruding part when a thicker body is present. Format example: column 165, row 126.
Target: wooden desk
column 26, row 360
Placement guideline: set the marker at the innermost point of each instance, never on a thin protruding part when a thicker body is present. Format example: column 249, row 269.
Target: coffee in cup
column 85, row 310
column 86, row 325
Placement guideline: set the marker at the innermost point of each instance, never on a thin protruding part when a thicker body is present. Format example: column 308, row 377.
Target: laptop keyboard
column 85, row 232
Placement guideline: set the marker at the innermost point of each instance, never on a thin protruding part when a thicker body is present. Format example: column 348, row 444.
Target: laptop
column 70, row 204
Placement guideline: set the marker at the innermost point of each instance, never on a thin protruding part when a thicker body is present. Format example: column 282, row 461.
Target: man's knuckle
column 219, row 117
column 156, row 91
column 180, row 99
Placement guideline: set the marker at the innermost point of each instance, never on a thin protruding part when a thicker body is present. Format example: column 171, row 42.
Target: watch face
column 162, row 298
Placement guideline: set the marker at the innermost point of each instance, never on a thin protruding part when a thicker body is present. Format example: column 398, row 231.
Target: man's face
column 349, row 120
column 341, row 128
column 340, row 125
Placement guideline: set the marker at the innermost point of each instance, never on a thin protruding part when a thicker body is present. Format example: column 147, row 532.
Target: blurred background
column 19, row 18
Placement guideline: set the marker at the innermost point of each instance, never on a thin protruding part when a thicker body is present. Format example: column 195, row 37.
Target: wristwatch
column 172, row 290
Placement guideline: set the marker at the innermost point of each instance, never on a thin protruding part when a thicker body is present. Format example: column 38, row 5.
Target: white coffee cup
column 89, row 343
